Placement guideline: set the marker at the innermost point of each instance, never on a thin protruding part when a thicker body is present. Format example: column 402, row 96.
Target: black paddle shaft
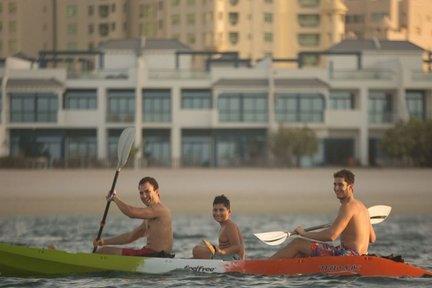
column 102, row 223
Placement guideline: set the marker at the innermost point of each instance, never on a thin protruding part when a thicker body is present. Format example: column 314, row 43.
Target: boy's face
column 221, row 213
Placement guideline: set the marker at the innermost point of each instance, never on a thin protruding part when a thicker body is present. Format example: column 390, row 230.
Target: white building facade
column 218, row 116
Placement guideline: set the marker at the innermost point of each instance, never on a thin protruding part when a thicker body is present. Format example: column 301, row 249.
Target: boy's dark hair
column 150, row 180
column 222, row 199
column 346, row 174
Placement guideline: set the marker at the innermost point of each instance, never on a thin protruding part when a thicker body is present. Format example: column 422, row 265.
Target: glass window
column 268, row 17
column 309, row 3
column 268, row 37
column 191, row 38
column 81, row 147
column 341, row 100
column 378, row 16
column 196, row 99
column 103, row 29
column 240, row 147
column 12, row 7
column 308, row 20
column 308, row 40
column 80, row 99
column 299, row 107
column 156, row 106
column 37, row 107
column 156, row 147
column 71, row 10
column 121, row 106
column 380, row 107
column 233, row 18
column 175, row 19
column 416, row 104
column 190, row 19
column 103, row 11
column 72, row 29
column 239, row 107
column 233, row 38
column 196, row 150
column 72, row 46
column 12, row 26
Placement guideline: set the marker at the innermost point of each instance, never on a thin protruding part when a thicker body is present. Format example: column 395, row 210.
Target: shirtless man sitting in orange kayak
column 156, row 225
column 352, row 225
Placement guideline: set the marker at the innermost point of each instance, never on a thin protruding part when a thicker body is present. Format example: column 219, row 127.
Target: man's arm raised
column 135, row 212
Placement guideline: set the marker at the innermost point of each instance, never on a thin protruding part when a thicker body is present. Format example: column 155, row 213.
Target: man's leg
column 298, row 247
column 109, row 250
column 200, row 252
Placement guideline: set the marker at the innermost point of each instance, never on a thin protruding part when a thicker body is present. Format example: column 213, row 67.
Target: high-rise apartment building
column 254, row 29
column 409, row 20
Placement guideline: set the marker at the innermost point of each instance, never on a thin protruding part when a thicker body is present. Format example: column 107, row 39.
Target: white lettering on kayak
column 199, row 268
column 354, row 268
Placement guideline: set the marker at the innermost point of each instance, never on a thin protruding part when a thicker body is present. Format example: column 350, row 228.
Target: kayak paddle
column 377, row 215
column 124, row 146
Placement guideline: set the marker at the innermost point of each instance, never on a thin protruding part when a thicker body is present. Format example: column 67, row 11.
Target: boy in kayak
column 231, row 245
column 352, row 225
column 156, row 225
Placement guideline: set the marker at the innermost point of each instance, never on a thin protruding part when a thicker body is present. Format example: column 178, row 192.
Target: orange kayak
column 329, row 265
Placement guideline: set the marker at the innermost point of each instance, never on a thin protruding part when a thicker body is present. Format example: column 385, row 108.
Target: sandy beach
column 191, row 191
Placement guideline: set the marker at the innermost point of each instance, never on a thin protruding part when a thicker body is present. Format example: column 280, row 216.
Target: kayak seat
column 396, row 258
column 161, row 254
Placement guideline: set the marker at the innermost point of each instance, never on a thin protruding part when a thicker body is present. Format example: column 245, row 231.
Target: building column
column 4, row 112
column 175, row 128
column 101, row 134
column 141, row 76
column 364, row 127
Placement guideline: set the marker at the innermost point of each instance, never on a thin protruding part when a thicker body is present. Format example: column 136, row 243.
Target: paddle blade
column 124, row 146
column 379, row 213
column 209, row 246
column 272, row 238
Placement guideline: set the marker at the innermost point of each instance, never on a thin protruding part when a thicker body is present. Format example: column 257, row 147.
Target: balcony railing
column 421, row 76
column 361, row 75
column 177, row 74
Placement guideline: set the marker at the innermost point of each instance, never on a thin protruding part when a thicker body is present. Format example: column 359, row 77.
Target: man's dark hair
column 346, row 174
column 150, row 180
column 222, row 199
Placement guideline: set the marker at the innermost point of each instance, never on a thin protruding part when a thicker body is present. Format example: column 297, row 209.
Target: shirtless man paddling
column 156, row 225
column 352, row 225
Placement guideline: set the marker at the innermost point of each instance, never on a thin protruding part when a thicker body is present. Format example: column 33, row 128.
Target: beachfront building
column 218, row 116
column 409, row 20
column 254, row 29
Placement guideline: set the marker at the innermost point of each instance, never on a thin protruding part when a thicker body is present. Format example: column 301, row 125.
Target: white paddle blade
column 272, row 238
column 379, row 213
column 124, row 146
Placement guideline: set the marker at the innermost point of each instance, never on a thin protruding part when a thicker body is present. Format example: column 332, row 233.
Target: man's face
column 341, row 188
column 220, row 213
column 148, row 194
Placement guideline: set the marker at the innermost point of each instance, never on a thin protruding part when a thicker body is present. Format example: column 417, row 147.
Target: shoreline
column 191, row 191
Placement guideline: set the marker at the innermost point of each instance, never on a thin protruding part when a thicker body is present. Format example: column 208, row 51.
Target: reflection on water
column 406, row 235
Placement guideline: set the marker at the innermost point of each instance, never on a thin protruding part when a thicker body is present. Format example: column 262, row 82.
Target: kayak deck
column 25, row 261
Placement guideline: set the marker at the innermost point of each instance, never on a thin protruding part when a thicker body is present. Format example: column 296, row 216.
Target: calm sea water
column 406, row 235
